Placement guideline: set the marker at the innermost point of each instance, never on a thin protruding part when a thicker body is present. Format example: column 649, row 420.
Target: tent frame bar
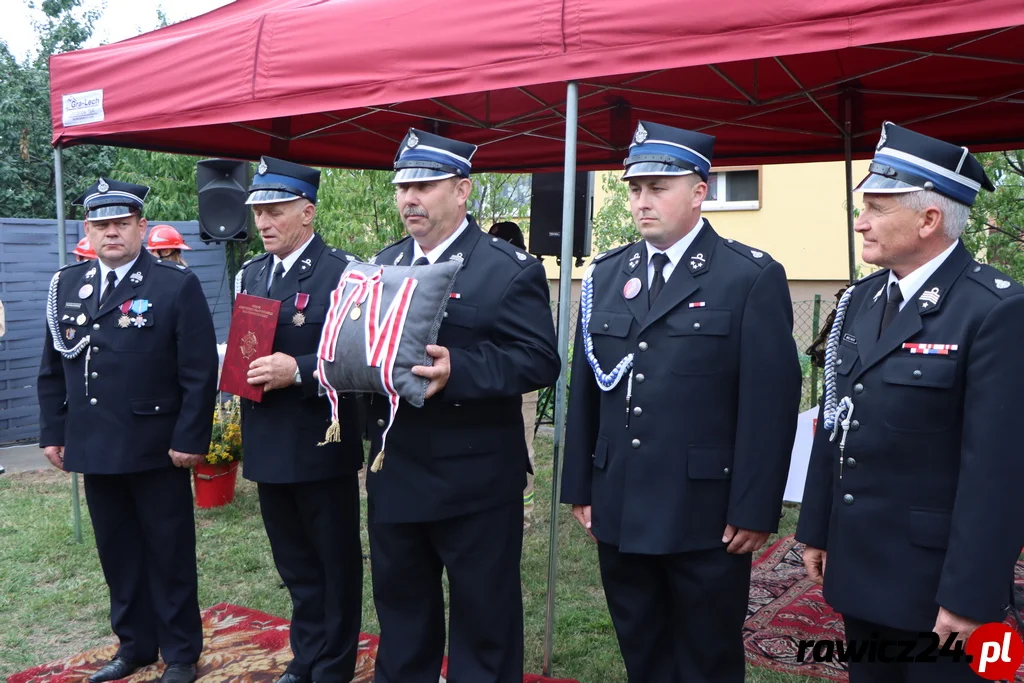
column 564, row 298
column 62, row 259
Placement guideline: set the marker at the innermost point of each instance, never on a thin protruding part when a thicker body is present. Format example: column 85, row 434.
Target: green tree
column 356, row 210
column 995, row 231
column 501, row 197
column 613, row 223
column 27, row 182
column 171, row 179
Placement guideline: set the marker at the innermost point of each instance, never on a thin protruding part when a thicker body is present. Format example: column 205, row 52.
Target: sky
column 121, row 19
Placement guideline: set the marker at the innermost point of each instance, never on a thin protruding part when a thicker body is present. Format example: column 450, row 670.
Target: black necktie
column 111, row 280
column 892, row 305
column 659, row 261
column 421, row 261
column 276, row 282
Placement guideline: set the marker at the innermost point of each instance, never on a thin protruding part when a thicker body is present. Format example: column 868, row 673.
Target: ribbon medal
column 124, row 321
column 301, row 300
column 930, row 349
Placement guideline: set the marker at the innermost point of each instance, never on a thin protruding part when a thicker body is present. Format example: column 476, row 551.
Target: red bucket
column 215, row 484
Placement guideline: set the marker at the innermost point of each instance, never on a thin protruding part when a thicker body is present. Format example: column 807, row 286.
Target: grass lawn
column 54, row 601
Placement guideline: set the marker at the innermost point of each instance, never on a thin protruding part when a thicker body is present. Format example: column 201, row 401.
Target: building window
column 734, row 190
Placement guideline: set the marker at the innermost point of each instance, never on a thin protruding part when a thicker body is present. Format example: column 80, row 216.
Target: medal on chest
column 124, row 321
column 301, row 301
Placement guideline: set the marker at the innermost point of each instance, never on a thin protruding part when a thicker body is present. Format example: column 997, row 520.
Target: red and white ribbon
column 382, row 337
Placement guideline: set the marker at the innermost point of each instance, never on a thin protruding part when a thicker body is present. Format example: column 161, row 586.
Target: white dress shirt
column 915, row 280
column 289, row 260
column 120, row 272
column 674, row 253
column 436, row 252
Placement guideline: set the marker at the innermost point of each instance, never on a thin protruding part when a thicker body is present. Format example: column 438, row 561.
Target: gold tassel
column 333, row 434
column 378, row 462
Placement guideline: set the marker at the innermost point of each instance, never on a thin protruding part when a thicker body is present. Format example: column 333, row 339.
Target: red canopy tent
column 338, row 83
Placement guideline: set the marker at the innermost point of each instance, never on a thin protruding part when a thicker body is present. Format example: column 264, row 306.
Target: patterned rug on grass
column 786, row 607
column 241, row 645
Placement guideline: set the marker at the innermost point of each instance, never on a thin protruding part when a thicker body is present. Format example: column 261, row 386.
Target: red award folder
column 251, row 336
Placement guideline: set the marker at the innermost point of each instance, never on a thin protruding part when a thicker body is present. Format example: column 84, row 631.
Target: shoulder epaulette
column 72, row 264
column 606, row 257
column 513, row 252
column 373, row 259
column 343, row 255
column 172, row 265
column 993, row 279
column 759, row 257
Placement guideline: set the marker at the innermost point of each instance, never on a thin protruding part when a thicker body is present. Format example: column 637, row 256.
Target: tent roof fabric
column 338, row 82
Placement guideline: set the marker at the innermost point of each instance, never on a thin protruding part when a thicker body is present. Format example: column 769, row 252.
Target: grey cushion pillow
column 398, row 334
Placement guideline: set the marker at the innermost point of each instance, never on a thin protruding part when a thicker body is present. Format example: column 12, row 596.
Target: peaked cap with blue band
column 906, row 161
column 424, row 157
column 110, row 199
column 277, row 180
column 660, row 150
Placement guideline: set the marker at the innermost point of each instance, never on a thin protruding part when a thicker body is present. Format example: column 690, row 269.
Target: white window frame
column 722, row 182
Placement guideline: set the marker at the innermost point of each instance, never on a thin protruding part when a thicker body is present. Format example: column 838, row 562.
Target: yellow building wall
column 801, row 222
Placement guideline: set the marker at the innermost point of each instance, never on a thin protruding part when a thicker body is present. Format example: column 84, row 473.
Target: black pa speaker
column 223, row 214
column 546, row 214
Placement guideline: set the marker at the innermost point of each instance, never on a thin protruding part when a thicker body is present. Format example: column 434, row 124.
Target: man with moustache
column 309, row 493
column 127, row 387
column 909, row 514
column 682, row 411
column 448, row 496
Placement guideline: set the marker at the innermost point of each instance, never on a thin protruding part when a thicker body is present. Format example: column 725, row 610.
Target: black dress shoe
column 179, row 673
column 118, row 667
column 292, row 678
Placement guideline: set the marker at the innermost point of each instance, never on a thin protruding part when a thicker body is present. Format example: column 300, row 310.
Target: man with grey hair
column 909, row 514
column 308, row 493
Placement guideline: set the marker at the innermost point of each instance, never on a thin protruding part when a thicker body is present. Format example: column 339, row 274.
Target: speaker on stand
column 546, row 215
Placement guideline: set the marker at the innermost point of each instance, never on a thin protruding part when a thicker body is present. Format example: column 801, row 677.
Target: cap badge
column 413, row 141
column 262, row 167
column 641, row 134
column 1002, row 284
column 103, row 187
column 881, row 140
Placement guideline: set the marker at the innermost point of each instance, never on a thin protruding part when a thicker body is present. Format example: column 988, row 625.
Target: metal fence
column 808, row 318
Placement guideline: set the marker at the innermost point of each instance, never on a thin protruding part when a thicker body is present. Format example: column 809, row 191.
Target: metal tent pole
column 564, row 298
column 62, row 256
column 848, row 148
